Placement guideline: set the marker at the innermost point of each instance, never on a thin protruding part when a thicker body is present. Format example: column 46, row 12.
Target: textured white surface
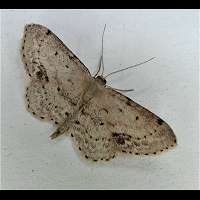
column 168, row 86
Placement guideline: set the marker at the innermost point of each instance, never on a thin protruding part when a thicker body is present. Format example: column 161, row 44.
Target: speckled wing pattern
column 102, row 122
column 116, row 125
column 57, row 75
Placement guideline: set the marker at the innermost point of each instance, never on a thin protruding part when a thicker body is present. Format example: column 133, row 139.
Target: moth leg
column 121, row 90
column 60, row 131
column 56, row 134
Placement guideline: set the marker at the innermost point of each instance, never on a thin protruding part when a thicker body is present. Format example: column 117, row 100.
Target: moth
column 101, row 121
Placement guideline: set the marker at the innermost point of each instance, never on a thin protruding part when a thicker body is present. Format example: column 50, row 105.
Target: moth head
column 100, row 80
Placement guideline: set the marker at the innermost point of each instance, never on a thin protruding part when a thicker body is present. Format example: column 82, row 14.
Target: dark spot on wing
column 119, row 138
column 48, row 32
column 120, row 109
column 128, row 99
column 58, row 89
column 101, row 123
column 66, row 113
column 39, row 75
column 137, row 118
column 77, row 122
column 175, row 141
column 47, row 78
column 128, row 103
column 160, row 121
column 56, row 53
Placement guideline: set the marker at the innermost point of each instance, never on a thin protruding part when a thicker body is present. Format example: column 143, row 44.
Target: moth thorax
column 100, row 80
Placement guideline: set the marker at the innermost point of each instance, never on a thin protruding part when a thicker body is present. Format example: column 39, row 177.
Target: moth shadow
column 138, row 163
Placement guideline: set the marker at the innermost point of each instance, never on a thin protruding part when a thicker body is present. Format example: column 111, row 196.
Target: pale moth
column 102, row 122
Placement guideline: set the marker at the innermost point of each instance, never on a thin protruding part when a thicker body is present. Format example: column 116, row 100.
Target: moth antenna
column 99, row 67
column 101, row 63
column 129, row 67
column 102, row 42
